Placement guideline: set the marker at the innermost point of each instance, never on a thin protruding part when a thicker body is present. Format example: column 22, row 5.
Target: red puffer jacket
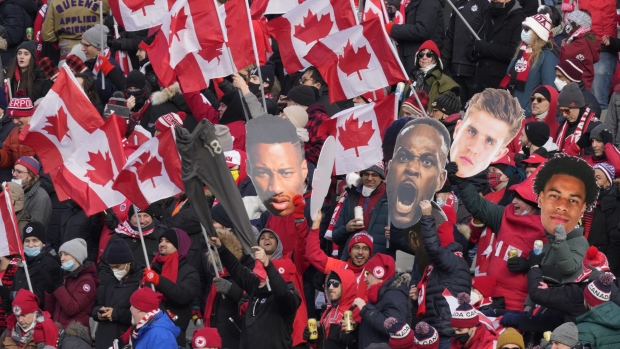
column 586, row 49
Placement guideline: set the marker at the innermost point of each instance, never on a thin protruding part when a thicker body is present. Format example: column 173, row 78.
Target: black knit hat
column 34, row 229
column 303, row 95
column 172, row 236
column 537, row 132
column 29, row 45
column 448, row 103
column 119, row 252
column 267, row 71
column 151, row 211
column 542, row 89
column 136, row 79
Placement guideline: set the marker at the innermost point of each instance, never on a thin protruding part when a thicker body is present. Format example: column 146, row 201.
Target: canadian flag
column 236, row 18
column 88, row 175
column 136, row 15
column 359, row 134
column 375, row 9
column 357, row 60
column 259, row 8
column 153, row 172
column 184, row 50
column 399, row 16
column 62, row 121
column 298, row 30
column 10, row 238
column 122, row 57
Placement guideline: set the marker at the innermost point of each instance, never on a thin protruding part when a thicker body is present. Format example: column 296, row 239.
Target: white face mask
column 17, row 181
column 526, row 37
column 474, row 298
column 559, row 84
column 133, row 322
column 120, row 274
column 367, row 191
column 30, row 327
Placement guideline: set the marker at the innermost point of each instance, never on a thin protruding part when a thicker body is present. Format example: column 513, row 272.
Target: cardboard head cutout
column 416, row 170
column 492, row 120
column 275, row 163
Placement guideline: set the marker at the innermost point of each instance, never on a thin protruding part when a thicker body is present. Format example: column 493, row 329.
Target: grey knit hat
column 566, row 334
column 581, row 18
column 222, row 132
column 377, row 168
column 571, row 97
column 93, row 36
column 76, row 248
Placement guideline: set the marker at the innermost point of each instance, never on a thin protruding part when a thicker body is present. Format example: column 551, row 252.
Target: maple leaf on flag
column 352, row 62
column 57, row 125
column 151, row 168
column 179, row 22
column 313, row 28
column 354, row 136
column 209, row 53
column 136, row 5
column 102, row 171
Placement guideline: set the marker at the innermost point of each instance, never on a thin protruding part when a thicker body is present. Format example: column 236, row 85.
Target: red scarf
column 368, row 203
column 373, row 292
column 422, row 287
column 126, row 229
column 170, row 265
column 515, row 79
column 584, row 122
column 576, row 33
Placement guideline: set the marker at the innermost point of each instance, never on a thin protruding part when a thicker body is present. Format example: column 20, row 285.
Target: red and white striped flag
column 10, row 238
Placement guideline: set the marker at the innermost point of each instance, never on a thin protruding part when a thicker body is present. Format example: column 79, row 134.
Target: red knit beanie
column 25, row 302
column 206, row 338
column 20, row 105
column 599, row 291
column 484, row 284
column 381, row 266
column 361, row 238
column 145, row 299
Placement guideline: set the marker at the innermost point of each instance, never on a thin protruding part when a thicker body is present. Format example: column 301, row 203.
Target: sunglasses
column 427, row 54
column 537, row 99
column 565, row 111
column 334, row 283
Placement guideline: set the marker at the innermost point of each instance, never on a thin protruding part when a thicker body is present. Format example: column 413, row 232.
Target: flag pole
column 464, row 20
column 146, row 255
column 9, row 205
column 357, row 14
column 260, row 75
column 415, row 94
column 101, row 33
column 27, row 276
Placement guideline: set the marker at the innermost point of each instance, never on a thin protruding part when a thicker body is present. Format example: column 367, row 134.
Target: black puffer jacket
column 604, row 232
column 168, row 100
column 186, row 220
column 37, row 268
column 15, row 17
column 449, row 271
column 566, row 298
column 6, row 126
column 75, row 224
column 115, row 294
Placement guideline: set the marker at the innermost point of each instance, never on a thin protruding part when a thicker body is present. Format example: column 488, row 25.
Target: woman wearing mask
column 72, row 289
column 24, row 73
column 581, row 44
column 111, row 309
column 40, row 259
column 534, row 62
column 36, row 200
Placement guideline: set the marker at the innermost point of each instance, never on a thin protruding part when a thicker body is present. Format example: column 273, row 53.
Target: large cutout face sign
column 492, row 120
column 416, row 171
column 275, row 163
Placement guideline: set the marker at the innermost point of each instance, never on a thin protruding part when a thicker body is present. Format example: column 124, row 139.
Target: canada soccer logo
column 200, row 342
column 17, row 310
column 281, row 270
column 378, row 272
column 28, row 230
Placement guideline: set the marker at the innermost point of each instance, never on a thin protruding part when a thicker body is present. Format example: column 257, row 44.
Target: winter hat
column 580, row 18
column 30, row 163
column 598, row 130
column 20, row 105
column 30, row 46
column 542, row 89
column 93, row 36
column 448, row 103
column 425, row 337
column 411, row 104
column 510, row 336
column 206, row 338
column 484, row 284
column 571, row 97
column 599, row 291
column 537, row 132
column 165, row 121
column 540, row 24
column 572, row 68
column 506, row 160
column 76, row 63
column 465, row 316
column 430, row 45
column 145, row 299
column 34, row 229
column 222, row 133
column 136, row 79
column 303, row 95
column 525, row 189
column 76, row 248
column 296, row 115
column 149, row 210
column 566, row 334
column 378, row 168
column 607, row 169
column 233, row 158
column 119, row 252
column 117, row 104
column 594, row 258
column 267, row 71
column 381, row 266
column 534, row 160
column 17, row 194
column 390, row 136
column 401, row 336
column 361, row 238
column 171, row 235
column 25, row 302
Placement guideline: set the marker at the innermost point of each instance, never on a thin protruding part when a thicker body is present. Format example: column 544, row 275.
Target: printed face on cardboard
column 563, row 202
column 416, row 170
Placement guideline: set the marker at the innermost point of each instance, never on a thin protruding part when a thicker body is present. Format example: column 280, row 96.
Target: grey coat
column 38, row 203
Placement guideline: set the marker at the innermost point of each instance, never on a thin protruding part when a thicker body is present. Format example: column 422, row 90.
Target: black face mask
column 254, row 88
column 497, row 5
column 139, row 95
column 462, row 338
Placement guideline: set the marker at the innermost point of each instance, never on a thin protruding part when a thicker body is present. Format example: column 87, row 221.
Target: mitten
column 222, row 285
column 300, row 206
column 50, row 70
column 510, row 320
column 560, row 233
column 151, row 276
column 452, row 168
column 388, row 28
column 76, row 64
column 110, row 219
column 57, row 278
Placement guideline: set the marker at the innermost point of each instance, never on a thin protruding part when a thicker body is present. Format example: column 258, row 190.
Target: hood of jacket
column 28, row 5
column 553, row 99
column 277, row 254
column 399, row 281
column 605, row 315
column 75, row 329
column 165, row 95
column 349, row 287
column 430, row 45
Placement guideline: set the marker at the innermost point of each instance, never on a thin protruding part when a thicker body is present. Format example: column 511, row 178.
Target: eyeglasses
column 14, row 171
column 333, row 283
column 86, row 45
column 526, row 28
column 537, row 99
column 369, row 174
column 565, row 111
column 429, row 54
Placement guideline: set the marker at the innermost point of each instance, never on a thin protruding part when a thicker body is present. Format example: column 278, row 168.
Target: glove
column 151, row 276
column 535, row 259
column 584, row 141
column 114, row 43
column 452, row 168
column 388, row 28
column 222, row 285
column 110, row 219
column 196, row 314
column 300, row 206
column 76, row 64
column 56, row 278
column 518, row 264
column 510, row 320
column 560, row 233
column 104, row 64
column 306, row 335
column 606, row 136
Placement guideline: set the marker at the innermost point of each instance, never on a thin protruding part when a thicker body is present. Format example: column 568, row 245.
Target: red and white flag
column 136, row 15
column 186, row 51
column 153, row 172
column 122, row 57
column 375, row 9
column 259, row 8
column 62, row 121
column 236, row 19
column 10, row 238
column 298, row 30
column 359, row 134
column 399, row 16
column 88, row 175
column 357, row 60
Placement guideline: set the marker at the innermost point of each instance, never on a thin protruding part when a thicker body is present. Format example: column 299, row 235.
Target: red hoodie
column 334, row 312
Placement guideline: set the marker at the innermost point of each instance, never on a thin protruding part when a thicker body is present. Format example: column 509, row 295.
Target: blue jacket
column 542, row 73
column 159, row 332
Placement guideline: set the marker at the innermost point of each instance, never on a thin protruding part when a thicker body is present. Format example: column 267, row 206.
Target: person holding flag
column 27, row 319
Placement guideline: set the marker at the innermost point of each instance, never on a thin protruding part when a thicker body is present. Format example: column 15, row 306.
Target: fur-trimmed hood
column 400, row 279
column 75, row 329
column 165, row 94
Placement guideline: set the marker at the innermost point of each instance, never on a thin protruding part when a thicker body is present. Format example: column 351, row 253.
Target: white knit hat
column 540, row 24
